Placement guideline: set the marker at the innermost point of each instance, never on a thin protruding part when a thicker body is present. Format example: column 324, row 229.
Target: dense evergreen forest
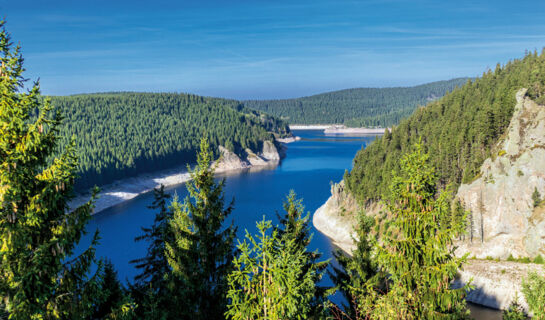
column 458, row 131
column 360, row 107
column 119, row 135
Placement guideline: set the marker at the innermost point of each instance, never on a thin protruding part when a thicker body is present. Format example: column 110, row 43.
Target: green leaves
column 38, row 231
column 201, row 250
column 270, row 280
column 417, row 251
column 533, row 288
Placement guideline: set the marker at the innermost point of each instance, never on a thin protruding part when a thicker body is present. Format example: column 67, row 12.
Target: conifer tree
column 271, row 279
column 201, row 251
column 39, row 276
column 150, row 289
column 355, row 272
column 294, row 226
column 112, row 293
column 417, row 251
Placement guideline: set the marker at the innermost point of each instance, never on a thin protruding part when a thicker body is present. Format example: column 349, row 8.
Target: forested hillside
column 121, row 134
column 458, row 131
column 360, row 107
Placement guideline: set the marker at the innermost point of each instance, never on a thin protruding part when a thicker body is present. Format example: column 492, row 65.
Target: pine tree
column 356, row 272
column 150, row 289
column 112, row 293
column 202, row 249
column 39, row 276
column 417, row 250
column 294, row 226
column 271, row 279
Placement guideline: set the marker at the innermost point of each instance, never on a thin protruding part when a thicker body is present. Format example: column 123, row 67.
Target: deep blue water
column 310, row 166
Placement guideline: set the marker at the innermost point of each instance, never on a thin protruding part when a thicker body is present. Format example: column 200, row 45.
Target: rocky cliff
column 503, row 218
column 230, row 161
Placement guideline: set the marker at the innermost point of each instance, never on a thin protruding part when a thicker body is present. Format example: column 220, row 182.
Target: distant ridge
column 357, row 107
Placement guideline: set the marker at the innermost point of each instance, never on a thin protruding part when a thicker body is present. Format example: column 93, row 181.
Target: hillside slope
column 458, row 130
column 359, row 107
column 505, row 219
column 120, row 135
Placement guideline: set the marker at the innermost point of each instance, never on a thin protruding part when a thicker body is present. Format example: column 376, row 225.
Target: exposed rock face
column 338, row 216
column 496, row 283
column 504, row 220
column 231, row 161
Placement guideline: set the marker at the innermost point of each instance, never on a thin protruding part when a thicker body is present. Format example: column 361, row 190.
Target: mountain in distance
column 359, row 107
column 121, row 135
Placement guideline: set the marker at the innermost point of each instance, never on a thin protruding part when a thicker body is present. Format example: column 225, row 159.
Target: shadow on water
column 479, row 312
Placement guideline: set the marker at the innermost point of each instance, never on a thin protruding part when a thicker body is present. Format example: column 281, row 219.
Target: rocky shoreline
column 496, row 283
column 338, row 129
column 126, row 189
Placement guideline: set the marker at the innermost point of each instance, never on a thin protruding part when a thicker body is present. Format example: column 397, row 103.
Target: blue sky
column 265, row 49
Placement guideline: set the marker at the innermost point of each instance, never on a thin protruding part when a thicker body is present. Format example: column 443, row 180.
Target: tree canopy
column 359, row 107
column 119, row 135
column 458, row 131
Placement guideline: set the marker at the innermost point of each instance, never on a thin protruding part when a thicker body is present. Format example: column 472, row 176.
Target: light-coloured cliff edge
column 503, row 219
column 130, row 188
column 496, row 282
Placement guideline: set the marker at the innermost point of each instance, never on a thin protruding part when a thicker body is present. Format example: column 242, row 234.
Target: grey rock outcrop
column 496, row 283
column 503, row 219
column 231, row 161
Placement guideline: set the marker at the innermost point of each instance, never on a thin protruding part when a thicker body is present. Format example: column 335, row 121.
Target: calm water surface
column 310, row 166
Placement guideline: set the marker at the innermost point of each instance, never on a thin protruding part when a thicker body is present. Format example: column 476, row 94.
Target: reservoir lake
column 311, row 165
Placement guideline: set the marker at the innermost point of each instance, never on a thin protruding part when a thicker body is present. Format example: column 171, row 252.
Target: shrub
column 533, row 288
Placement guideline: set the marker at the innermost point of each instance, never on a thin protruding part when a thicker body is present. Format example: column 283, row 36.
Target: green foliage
column 416, row 250
column 539, row 259
column 458, row 131
column 38, row 230
column 514, row 312
column 533, row 288
column 119, row 135
column 361, row 107
column 355, row 272
column 114, row 302
column 536, row 197
column 150, row 289
column 201, row 250
column 271, row 279
column 294, row 226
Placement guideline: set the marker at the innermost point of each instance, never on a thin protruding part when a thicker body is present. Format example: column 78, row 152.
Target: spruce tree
column 294, row 226
column 150, row 289
column 354, row 273
column 202, row 249
column 39, row 276
column 271, row 279
column 417, row 251
column 112, row 293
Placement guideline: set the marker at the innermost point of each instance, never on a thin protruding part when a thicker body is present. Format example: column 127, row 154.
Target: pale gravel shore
column 344, row 130
column 127, row 189
column 310, row 126
column 338, row 129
